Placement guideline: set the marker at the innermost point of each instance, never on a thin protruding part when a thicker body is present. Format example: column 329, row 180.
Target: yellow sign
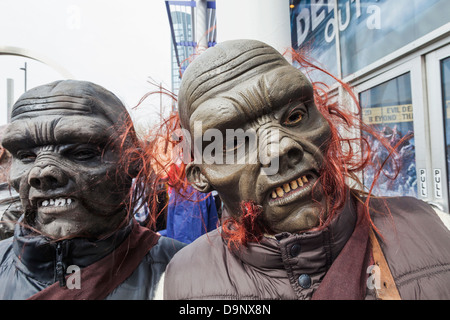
column 391, row 114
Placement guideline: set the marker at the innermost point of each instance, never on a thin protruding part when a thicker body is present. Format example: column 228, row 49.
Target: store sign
column 391, row 114
column 321, row 11
column 314, row 25
column 368, row 29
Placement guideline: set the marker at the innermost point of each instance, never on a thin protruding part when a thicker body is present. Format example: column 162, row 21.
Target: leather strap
column 387, row 290
column 346, row 278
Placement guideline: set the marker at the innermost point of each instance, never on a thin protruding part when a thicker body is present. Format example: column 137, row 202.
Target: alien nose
column 49, row 177
column 291, row 152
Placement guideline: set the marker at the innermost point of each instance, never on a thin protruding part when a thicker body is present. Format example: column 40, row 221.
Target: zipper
column 60, row 265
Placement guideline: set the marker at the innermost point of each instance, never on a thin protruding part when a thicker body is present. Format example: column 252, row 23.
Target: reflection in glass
column 388, row 109
column 313, row 31
column 370, row 30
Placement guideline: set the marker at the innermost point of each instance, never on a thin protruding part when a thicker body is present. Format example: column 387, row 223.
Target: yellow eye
column 294, row 117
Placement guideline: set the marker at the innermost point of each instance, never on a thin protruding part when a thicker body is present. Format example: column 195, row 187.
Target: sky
column 118, row 44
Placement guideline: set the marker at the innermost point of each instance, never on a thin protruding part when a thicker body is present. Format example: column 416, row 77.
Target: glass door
column 393, row 105
column 388, row 109
column 438, row 85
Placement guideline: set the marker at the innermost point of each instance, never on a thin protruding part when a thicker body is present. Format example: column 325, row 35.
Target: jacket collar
column 310, row 252
column 38, row 256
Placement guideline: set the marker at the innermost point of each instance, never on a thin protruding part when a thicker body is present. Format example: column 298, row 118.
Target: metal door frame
column 437, row 131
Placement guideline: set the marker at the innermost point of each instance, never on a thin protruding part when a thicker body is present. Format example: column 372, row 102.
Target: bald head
column 219, row 69
column 76, row 97
column 69, row 99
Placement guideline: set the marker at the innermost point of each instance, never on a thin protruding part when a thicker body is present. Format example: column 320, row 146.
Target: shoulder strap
column 388, row 289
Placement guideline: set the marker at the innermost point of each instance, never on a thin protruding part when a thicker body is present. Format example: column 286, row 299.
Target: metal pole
column 9, row 97
column 202, row 26
column 25, row 70
column 270, row 16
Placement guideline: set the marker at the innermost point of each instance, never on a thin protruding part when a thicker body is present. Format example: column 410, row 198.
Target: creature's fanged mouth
column 58, row 202
column 291, row 188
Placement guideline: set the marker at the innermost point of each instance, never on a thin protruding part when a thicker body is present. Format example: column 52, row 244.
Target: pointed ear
column 197, row 179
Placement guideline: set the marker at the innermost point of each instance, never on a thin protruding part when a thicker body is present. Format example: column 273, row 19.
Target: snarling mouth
column 58, row 202
column 291, row 191
column 287, row 188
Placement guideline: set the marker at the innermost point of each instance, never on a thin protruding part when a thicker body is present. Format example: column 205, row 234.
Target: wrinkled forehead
column 65, row 111
column 68, row 97
column 41, row 107
column 250, row 100
column 239, row 70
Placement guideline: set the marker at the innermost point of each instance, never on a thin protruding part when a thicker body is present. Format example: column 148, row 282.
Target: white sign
column 423, row 183
column 437, row 183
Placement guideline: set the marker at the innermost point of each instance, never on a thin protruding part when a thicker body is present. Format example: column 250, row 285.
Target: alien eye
column 84, row 153
column 294, row 117
column 26, row 156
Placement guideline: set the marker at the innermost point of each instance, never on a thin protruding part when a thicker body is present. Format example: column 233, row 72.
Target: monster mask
column 66, row 139
column 247, row 85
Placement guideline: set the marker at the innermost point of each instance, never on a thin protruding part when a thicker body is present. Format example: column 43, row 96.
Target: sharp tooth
column 300, row 182
column 304, row 179
column 294, row 185
column 44, row 203
column 52, row 202
column 286, row 187
column 274, row 194
column 69, row 201
column 279, row 191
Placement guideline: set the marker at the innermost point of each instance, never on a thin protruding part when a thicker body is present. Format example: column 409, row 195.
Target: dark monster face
column 65, row 161
column 246, row 85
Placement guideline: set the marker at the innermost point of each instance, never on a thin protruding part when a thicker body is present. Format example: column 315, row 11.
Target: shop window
column 388, row 109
